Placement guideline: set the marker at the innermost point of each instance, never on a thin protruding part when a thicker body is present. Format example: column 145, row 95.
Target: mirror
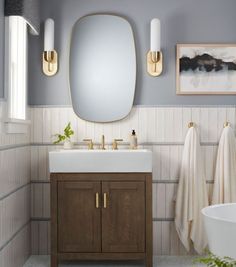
column 102, row 68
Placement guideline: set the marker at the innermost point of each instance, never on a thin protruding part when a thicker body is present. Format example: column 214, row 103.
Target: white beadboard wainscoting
column 161, row 129
column 14, row 196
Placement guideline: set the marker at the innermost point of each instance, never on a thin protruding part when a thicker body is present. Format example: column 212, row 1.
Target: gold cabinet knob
column 115, row 144
column 90, row 143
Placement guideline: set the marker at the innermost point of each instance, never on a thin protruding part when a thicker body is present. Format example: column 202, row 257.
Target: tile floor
column 162, row 261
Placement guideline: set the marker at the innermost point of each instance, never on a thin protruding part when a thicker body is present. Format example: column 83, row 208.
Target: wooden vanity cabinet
column 98, row 216
column 79, row 222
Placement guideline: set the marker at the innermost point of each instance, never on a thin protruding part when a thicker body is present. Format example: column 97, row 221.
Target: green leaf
column 60, row 138
column 68, row 132
column 212, row 260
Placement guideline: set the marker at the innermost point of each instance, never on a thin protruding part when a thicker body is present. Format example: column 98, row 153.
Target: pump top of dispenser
column 133, row 132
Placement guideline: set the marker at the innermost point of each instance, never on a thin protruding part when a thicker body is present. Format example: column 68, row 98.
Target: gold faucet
column 103, row 142
column 115, row 144
column 90, row 143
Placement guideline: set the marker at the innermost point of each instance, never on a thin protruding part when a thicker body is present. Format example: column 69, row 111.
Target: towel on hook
column 224, row 190
column 191, row 195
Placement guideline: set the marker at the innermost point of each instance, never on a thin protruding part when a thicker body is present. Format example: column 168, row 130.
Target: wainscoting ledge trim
column 126, row 144
column 14, row 191
column 35, row 219
column 154, row 182
column 14, row 235
column 8, row 147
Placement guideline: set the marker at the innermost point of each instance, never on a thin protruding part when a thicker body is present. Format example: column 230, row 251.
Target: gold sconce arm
column 154, row 63
column 50, row 62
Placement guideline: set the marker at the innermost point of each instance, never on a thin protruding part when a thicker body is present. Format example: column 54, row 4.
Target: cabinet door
column 123, row 218
column 79, row 220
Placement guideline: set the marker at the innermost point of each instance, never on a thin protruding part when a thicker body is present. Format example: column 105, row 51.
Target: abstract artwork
column 206, row 69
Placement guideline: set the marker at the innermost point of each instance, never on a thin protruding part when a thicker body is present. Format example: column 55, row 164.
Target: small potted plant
column 68, row 132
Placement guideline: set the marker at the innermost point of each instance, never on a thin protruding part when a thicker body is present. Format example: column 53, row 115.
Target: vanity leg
column 149, row 261
column 54, row 246
column 54, row 261
column 149, row 234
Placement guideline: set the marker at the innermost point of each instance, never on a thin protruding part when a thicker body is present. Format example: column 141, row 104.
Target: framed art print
column 206, row 69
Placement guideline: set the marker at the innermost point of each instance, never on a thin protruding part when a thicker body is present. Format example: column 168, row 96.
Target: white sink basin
column 76, row 160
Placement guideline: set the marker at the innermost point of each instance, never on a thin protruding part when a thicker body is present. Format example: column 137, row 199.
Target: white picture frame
column 206, row 69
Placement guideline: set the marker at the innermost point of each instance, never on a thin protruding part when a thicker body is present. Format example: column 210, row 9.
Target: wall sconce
column 154, row 56
column 50, row 58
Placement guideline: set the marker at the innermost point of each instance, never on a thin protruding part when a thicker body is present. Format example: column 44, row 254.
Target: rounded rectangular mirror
column 102, row 68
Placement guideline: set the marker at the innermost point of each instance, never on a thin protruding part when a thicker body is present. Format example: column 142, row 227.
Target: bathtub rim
column 204, row 212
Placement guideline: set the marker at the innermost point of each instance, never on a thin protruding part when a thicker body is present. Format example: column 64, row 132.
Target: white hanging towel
column 191, row 195
column 224, row 190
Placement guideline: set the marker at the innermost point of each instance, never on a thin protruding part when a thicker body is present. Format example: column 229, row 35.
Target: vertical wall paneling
column 161, row 129
column 14, row 195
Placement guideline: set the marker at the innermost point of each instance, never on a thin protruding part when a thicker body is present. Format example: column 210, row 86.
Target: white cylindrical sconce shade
column 49, row 35
column 155, row 35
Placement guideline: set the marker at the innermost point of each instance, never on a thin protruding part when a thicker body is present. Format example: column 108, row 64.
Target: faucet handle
column 90, row 143
column 103, row 142
column 115, row 144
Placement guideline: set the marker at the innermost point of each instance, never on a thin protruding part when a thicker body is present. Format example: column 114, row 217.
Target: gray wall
column 183, row 21
column 2, row 48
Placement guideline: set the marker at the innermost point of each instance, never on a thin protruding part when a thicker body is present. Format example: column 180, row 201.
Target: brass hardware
column 191, row 124
column 97, row 200
column 154, row 63
column 114, row 143
column 103, row 142
column 90, row 143
column 105, row 200
column 50, row 62
column 226, row 124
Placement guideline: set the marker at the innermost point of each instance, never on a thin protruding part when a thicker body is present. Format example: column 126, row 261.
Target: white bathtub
column 220, row 225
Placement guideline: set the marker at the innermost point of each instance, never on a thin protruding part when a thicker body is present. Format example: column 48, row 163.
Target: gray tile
column 175, row 261
column 38, row 261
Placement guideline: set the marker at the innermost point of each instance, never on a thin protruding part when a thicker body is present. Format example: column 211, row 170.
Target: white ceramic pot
column 68, row 144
